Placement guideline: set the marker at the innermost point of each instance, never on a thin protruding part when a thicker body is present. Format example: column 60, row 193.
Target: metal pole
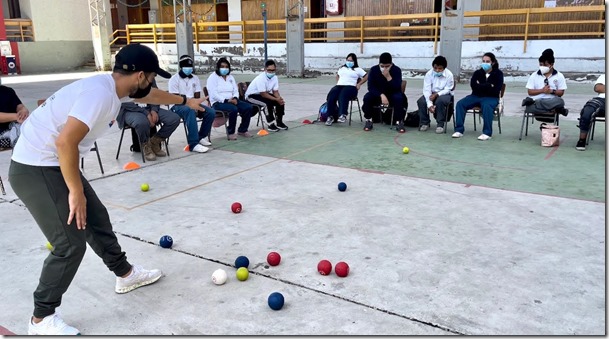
column 266, row 57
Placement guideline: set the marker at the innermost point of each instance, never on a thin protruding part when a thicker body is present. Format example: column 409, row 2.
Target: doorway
column 222, row 16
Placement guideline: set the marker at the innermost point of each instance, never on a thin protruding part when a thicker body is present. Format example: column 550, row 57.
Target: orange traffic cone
column 262, row 132
column 306, row 121
column 186, row 148
column 131, row 166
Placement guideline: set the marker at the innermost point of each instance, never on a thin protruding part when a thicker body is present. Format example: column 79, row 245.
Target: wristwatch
column 554, row 91
column 184, row 99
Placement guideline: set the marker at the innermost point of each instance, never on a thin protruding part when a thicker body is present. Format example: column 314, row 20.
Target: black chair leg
column 2, row 187
column 101, row 167
column 120, row 142
column 524, row 117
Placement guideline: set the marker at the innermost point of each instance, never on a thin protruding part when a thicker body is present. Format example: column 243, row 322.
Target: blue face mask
column 270, row 75
column 187, row 70
column 438, row 74
column 350, row 64
column 223, row 71
column 486, row 66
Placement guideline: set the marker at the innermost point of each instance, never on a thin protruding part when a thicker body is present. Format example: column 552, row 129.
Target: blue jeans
column 243, row 108
column 342, row 94
column 189, row 116
column 486, row 104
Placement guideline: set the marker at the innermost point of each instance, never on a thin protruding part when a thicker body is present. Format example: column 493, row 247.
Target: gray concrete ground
column 426, row 256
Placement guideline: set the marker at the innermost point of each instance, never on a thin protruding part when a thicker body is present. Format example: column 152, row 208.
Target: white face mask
column 544, row 69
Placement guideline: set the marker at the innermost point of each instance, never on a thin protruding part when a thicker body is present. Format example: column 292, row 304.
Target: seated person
column 12, row 114
column 437, row 93
column 264, row 91
column 385, row 88
column 184, row 83
column 144, row 119
column 486, row 85
column 593, row 105
column 224, row 96
column 546, row 87
column 349, row 78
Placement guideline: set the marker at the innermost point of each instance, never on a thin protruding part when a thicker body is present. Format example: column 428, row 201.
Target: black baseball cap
column 136, row 58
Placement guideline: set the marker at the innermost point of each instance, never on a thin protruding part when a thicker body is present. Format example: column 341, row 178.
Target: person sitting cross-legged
column 437, row 93
column 596, row 104
column 186, row 84
column 264, row 91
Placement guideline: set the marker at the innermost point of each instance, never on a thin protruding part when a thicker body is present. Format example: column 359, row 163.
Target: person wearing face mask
column 594, row 105
column 185, row 83
column 546, row 87
column 224, row 96
column 264, row 91
column 349, row 78
column 486, row 85
column 437, row 93
column 12, row 114
column 385, row 88
column 45, row 176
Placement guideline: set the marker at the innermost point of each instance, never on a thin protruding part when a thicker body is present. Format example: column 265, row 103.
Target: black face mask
column 141, row 92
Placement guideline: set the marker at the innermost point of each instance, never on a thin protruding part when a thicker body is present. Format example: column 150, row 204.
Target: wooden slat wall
column 513, row 4
column 251, row 10
column 385, row 7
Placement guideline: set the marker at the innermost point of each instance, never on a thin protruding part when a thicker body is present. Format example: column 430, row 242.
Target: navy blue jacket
column 378, row 84
column 483, row 87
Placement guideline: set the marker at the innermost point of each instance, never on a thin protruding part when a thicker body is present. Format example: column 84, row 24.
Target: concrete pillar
column 451, row 38
column 101, row 28
column 234, row 14
column 471, row 6
column 154, row 12
column 123, row 15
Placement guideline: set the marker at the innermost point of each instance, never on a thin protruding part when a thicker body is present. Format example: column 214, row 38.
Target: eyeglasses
column 545, row 81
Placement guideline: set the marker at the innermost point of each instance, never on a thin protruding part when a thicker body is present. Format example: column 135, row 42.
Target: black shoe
column 281, row 125
column 400, row 127
column 368, row 126
column 581, row 145
column 528, row 101
column 272, row 128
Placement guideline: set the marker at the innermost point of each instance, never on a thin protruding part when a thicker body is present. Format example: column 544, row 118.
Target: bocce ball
column 342, row 186
column 273, row 258
column 219, row 277
column 324, row 267
column 242, row 261
column 166, row 241
column 276, row 301
column 242, row 274
column 236, row 207
column 342, row 269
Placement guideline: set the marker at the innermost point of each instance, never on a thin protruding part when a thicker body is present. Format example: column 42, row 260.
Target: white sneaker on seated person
column 483, row 137
column 204, row 142
column 457, row 135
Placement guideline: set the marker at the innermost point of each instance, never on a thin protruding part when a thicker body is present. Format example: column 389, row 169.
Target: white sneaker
column 139, row 277
column 423, row 128
column 457, row 135
column 342, row 118
column 483, row 137
column 439, row 130
column 200, row 149
column 204, row 142
column 51, row 325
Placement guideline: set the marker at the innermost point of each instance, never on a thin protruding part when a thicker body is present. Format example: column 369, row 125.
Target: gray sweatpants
column 545, row 105
column 45, row 194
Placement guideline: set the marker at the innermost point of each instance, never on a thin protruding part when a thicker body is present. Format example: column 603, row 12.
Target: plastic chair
column 126, row 127
column 359, row 108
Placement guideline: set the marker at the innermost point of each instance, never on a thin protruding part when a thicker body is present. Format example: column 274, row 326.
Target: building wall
column 65, row 20
column 58, row 55
column 583, row 56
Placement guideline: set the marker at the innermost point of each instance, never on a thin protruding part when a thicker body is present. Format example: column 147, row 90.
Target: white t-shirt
column 92, row 100
column 261, row 84
column 220, row 89
column 556, row 81
column 349, row 76
column 600, row 80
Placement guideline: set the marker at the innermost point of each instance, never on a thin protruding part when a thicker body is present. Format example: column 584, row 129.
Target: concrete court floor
column 507, row 239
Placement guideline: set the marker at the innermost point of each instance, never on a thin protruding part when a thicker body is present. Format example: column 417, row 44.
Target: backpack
column 412, row 119
column 323, row 112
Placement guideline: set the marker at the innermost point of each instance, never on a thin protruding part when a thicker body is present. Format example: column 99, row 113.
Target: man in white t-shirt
column 437, row 93
column 546, row 87
column 264, row 91
column 185, row 83
column 594, row 106
column 44, row 174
